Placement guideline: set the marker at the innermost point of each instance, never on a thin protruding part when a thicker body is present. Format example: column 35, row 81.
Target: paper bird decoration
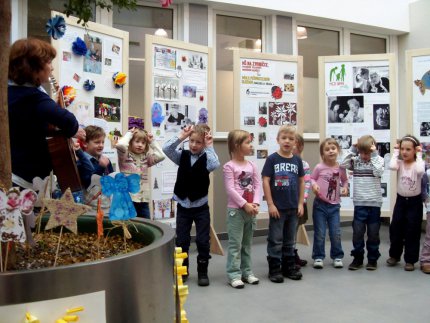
column 56, row 27
column 64, row 212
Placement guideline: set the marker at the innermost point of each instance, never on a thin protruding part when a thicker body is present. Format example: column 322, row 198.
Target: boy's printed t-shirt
column 284, row 176
column 329, row 179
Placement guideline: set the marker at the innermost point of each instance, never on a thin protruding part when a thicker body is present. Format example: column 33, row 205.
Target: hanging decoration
column 166, row 3
column 89, row 85
column 119, row 79
column 56, row 27
column 79, row 47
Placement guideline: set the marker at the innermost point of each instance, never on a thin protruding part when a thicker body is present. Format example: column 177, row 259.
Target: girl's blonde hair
column 235, row 139
column 141, row 134
column 328, row 141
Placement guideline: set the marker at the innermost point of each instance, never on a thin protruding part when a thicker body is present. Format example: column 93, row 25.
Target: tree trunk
column 5, row 160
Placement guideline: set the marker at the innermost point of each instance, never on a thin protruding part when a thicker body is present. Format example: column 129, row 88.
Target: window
column 39, row 11
column 144, row 20
column 361, row 44
column 231, row 33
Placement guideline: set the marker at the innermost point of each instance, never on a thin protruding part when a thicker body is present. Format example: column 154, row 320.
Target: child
column 405, row 227
column 327, row 179
column 191, row 191
column 137, row 151
column 92, row 161
column 242, row 184
column 298, row 149
column 367, row 167
column 283, row 187
column 425, row 250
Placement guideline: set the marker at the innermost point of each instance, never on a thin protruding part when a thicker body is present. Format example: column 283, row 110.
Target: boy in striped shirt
column 367, row 168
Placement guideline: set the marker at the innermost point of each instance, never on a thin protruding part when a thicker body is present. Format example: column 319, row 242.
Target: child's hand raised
column 186, row 132
column 208, row 139
column 103, row 161
column 150, row 137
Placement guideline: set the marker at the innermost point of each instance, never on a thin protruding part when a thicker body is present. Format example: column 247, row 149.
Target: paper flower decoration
column 122, row 207
column 56, row 27
column 69, row 94
column 89, row 85
column 64, row 212
column 119, row 79
column 276, row 92
column 262, row 121
column 157, row 114
column 166, row 3
column 79, row 47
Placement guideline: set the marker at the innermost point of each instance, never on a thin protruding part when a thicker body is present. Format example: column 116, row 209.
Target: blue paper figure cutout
column 56, row 27
column 122, row 207
column 157, row 114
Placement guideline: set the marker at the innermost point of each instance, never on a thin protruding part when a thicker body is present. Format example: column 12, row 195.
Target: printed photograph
column 261, row 138
column 384, row 190
column 371, row 79
column 93, row 57
column 345, row 109
column 196, row 62
column 262, row 107
column 249, row 121
column 166, row 88
column 425, row 129
column 108, row 109
column 67, row 56
column 176, row 117
column 289, row 76
column 116, row 49
column 261, row 153
column 344, row 141
column 383, row 148
column 108, row 61
column 189, row 91
column 381, row 116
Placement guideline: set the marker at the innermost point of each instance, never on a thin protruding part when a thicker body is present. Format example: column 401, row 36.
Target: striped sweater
column 367, row 177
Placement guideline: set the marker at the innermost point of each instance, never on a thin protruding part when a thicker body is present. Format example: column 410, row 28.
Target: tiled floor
column 328, row 295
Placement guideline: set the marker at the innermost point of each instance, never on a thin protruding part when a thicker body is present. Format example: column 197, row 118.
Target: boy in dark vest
column 191, row 191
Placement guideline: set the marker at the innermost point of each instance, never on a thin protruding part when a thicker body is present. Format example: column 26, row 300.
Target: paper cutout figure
column 14, row 206
column 39, row 185
column 64, row 212
column 157, row 114
column 122, row 207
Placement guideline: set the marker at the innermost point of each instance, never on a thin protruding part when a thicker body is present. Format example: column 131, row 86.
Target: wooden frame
column 390, row 60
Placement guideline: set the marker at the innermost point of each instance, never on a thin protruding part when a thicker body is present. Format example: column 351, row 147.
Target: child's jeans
column 405, row 228
column 425, row 251
column 184, row 221
column 326, row 214
column 240, row 228
column 366, row 217
column 281, row 239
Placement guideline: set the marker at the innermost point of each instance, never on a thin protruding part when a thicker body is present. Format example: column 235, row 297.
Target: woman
column 31, row 110
column 333, row 112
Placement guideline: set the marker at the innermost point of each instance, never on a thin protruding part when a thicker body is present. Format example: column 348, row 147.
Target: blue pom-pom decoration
column 89, row 85
column 79, row 47
column 56, row 27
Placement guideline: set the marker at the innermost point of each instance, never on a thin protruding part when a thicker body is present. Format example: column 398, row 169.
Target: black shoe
column 372, row 265
column 202, row 272
column 293, row 274
column 356, row 264
column 203, row 279
column 300, row 262
column 275, row 272
column 289, row 268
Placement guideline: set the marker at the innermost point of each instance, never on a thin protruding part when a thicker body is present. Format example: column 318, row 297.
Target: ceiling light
column 161, row 33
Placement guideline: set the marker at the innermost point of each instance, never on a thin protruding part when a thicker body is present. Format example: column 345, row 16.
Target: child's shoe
column 300, row 262
column 392, row 261
column 372, row 265
column 251, row 279
column 237, row 283
column 337, row 263
column 289, row 268
column 425, row 268
column 202, row 272
column 356, row 264
column 409, row 267
column 318, row 264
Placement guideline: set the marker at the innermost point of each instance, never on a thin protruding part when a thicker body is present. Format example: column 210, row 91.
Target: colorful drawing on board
column 282, row 113
column 424, row 83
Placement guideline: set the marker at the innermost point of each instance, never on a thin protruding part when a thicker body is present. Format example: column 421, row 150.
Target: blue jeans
column 142, row 209
column 281, row 239
column 240, row 227
column 366, row 217
column 326, row 214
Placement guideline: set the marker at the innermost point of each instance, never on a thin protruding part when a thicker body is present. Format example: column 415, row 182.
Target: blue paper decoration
column 157, row 114
column 89, row 85
column 56, row 27
column 79, row 47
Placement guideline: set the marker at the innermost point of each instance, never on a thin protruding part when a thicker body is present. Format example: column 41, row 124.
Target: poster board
column 268, row 92
column 418, row 98
column 105, row 106
column 346, row 78
column 177, row 94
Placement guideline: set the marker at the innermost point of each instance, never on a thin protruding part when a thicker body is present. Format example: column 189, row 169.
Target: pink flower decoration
column 166, row 3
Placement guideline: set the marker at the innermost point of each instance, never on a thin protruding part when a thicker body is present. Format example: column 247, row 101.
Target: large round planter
column 138, row 285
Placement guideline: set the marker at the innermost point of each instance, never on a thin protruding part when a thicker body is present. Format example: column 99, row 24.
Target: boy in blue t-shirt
column 283, row 186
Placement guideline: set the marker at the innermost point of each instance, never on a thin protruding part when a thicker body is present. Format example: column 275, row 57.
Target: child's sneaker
column 337, row 263
column 251, row 279
column 237, row 283
column 356, row 264
column 409, row 267
column 318, row 264
column 392, row 261
column 371, row 265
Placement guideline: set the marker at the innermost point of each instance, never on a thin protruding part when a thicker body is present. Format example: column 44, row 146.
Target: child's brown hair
column 300, row 142
column 141, row 134
column 235, row 139
column 364, row 143
column 328, row 141
column 201, row 130
column 94, row 132
column 415, row 142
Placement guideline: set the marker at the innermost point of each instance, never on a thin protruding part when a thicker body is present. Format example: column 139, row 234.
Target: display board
column 358, row 97
column 177, row 94
column 107, row 53
column 267, row 94
column 418, row 97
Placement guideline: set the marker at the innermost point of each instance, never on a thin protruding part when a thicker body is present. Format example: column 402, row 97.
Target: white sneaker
column 318, row 263
column 237, row 283
column 337, row 263
column 251, row 279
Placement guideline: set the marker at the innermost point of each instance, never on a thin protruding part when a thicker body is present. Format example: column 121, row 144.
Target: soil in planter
column 73, row 249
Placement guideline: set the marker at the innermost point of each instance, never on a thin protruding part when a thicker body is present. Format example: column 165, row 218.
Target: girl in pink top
column 242, row 183
column 405, row 227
